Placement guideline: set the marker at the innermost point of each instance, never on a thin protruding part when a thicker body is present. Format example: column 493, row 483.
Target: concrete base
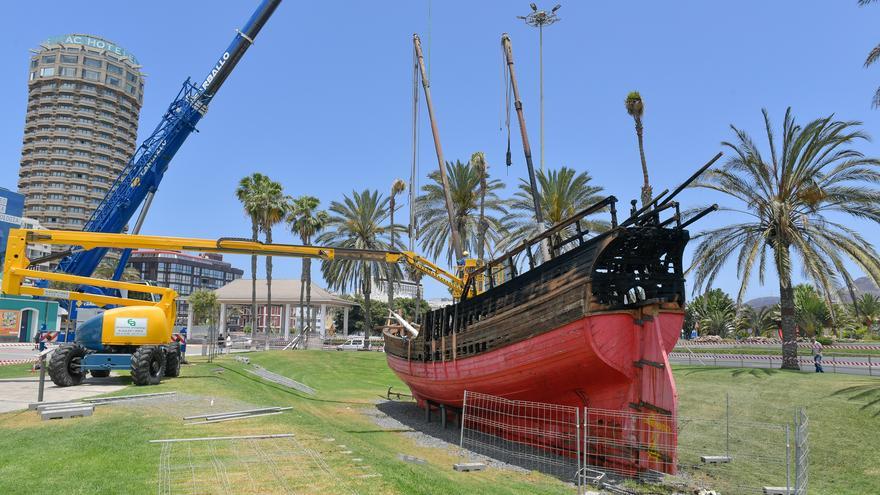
column 715, row 459
column 74, row 412
column 18, row 393
column 777, row 490
column 469, row 466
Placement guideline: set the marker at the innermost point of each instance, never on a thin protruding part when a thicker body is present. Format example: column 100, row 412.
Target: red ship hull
column 592, row 362
column 588, row 362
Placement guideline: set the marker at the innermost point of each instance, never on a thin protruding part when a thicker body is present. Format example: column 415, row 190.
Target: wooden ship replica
column 590, row 326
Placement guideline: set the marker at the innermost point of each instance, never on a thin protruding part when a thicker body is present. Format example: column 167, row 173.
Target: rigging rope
column 413, row 177
column 505, row 81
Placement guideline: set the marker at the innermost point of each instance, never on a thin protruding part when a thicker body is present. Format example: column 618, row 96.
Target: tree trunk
column 255, row 232
column 368, row 320
column 302, row 298
column 789, row 332
column 309, row 316
column 646, row 187
column 268, row 289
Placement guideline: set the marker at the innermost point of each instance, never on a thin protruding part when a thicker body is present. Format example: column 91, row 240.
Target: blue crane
column 139, row 180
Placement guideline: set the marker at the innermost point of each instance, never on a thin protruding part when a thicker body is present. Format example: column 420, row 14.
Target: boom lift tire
column 64, row 365
column 172, row 361
column 100, row 373
column 147, row 365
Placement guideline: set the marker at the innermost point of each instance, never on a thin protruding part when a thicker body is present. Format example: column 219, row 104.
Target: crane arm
column 16, row 266
column 141, row 176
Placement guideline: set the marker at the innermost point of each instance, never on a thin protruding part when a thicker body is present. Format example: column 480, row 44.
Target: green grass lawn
column 843, row 410
column 109, row 452
column 16, row 371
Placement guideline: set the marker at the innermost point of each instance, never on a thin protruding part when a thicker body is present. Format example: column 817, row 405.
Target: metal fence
column 601, row 447
column 533, row 435
column 831, row 363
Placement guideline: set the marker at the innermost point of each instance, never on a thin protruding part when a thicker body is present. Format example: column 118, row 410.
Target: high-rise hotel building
column 84, row 99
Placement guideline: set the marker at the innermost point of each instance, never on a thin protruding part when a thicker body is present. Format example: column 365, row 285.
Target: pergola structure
column 285, row 305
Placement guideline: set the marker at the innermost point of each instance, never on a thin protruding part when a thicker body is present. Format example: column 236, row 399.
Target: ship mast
column 527, row 149
column 456, row 239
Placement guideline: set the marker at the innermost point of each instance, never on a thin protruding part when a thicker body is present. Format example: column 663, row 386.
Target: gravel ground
column 407, row 417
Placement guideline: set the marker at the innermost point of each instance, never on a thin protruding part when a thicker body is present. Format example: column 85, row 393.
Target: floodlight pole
column 539, row 19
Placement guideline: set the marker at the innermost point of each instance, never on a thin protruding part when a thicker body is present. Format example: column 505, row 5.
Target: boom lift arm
column 17, row 266
column 139, row 180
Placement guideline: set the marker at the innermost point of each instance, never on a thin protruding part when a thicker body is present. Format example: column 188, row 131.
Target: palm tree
column 714, row 312
column 397, row 187
column 357, row 222
column 811, row 311
column 306, row 221
column 868, row 309
column 636, row 109
column 787, row 201
column 464, row 186
column 564, row 192
column 247, row 195
column 273, row 208
column 873, row 56
column 478, row 162
column 759, row 321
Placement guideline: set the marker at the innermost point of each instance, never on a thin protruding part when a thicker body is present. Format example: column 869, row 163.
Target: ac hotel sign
column 101, row 44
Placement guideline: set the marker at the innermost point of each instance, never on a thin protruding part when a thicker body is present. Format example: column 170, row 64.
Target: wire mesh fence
column 533, row 435
column 604, row 448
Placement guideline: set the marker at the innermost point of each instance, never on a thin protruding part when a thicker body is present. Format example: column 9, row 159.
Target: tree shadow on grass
column 755, row 372
column 859, row 393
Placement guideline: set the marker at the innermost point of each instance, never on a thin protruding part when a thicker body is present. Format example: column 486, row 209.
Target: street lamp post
column 539, row 19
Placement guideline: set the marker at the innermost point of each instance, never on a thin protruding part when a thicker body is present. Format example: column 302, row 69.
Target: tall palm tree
column 397, row 187
column 464, row 187
column 873, row 56
column 564, row 192
column 792, row 204
column 358, row 222
column 246, row 192
column 306, row 221
column 759, row 321
column 273, row 208
column 478, row 162
column 636, row 109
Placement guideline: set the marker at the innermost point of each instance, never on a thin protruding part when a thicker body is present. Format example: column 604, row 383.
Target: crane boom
column 17, row 266
column 143, row 173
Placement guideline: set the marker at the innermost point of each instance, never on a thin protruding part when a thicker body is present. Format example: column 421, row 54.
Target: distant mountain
column 762, row 302
column 861, row 285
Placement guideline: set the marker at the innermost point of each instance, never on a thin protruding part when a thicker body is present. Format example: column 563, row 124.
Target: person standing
column 816, row 347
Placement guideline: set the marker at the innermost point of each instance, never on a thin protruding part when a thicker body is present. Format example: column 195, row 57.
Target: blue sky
column 322, row 102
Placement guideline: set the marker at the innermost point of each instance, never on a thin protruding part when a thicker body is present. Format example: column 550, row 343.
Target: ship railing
column 504, row 268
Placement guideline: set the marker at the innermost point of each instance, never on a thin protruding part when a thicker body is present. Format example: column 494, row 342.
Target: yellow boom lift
column 136, row 335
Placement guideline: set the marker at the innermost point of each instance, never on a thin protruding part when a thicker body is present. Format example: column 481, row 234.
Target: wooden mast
column 527, row 148
column 456, row 239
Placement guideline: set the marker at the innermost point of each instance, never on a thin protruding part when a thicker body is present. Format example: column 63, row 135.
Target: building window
column 47, row 71
column 34, row 63
column 67, row 71
column 69, row 59
column 49, row 59
column 33, row 76
column 112, row 81
column 91, row 62
column 92, row 76
column 131, row 77
column 114, row 69
column 129, row 88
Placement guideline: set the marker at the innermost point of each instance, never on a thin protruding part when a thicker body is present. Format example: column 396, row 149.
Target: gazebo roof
column 284, row 291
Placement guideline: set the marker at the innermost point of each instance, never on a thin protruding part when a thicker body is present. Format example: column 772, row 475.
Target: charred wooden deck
column 625, row 267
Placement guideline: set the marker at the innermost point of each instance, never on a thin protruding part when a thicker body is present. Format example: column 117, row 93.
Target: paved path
column 17, row 393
